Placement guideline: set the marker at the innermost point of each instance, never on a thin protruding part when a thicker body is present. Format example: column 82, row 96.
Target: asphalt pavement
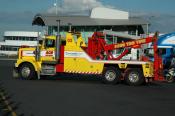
column 86, row 96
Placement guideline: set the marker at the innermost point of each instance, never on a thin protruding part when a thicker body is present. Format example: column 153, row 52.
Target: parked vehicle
column 72, row 55
column 166, row 44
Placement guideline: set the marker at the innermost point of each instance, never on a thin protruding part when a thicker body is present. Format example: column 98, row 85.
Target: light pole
column 56, row 7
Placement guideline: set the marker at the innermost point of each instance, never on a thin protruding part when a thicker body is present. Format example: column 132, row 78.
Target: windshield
column 150, row 52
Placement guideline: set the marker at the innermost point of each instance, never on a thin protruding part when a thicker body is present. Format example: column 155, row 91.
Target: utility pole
column 56, row 7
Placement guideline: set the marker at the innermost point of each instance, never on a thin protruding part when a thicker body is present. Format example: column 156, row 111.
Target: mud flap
column 15, row 73
column 38, row 75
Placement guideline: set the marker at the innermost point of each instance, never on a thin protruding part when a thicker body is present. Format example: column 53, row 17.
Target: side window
column 173, row 52
column 149, row 52
column 162, row 51
column 49, row 43
column 41, row 42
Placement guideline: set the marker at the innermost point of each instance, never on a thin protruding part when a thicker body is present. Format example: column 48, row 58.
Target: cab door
column 48, row 51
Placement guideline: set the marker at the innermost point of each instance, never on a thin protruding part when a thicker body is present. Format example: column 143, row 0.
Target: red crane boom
column 99, row 49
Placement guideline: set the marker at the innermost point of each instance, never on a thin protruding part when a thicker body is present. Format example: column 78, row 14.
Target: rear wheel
column 111, row 75
column 27, row 71
column 134, row 77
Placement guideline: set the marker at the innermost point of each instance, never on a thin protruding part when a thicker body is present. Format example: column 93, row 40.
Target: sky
column 18, row 14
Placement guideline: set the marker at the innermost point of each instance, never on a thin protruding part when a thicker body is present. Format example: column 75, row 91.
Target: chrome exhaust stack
column 37, row 50
column 70, row 27
column 57, row 49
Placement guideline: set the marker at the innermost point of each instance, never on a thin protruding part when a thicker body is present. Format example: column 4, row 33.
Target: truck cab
column 168, row 53
column 166, row 44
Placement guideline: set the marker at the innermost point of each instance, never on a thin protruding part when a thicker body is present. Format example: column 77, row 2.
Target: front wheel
column 27, row 72
column 134, row 77
column 111, row 75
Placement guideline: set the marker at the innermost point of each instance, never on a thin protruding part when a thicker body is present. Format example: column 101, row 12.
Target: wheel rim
column 25, row 72
column 110, row 75
column 133, row 77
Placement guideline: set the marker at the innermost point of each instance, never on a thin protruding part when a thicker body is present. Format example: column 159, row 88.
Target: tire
column 27, row 72
column 134, row 77
column 111, row 75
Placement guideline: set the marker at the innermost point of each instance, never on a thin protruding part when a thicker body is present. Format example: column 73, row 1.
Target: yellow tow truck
column 72, row 55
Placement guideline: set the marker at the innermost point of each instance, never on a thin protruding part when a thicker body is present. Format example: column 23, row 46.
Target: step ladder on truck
column 72, row 55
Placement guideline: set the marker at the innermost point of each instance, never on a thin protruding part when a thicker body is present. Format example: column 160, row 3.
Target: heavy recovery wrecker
column 72, row 55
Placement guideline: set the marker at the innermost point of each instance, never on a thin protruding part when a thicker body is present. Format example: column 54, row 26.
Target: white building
column 99, row 19
column 15, row 39
column 107, row 13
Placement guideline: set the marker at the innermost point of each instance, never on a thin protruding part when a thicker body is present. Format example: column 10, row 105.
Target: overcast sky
column 18, row 14
column 162, row 6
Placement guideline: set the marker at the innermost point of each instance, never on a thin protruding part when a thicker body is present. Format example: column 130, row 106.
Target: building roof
column 50, row 20
column 108, row 13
